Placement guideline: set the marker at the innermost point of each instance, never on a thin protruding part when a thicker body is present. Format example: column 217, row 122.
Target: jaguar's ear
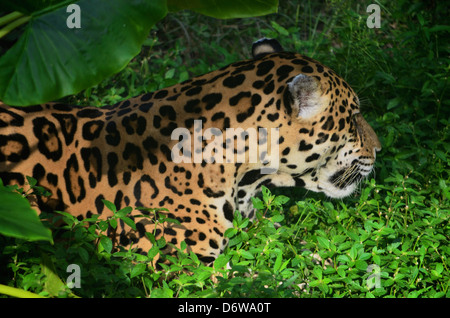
column 307, row 96
column 265, row 46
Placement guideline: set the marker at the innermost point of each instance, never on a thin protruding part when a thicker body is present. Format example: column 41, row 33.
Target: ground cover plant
column 388, row 240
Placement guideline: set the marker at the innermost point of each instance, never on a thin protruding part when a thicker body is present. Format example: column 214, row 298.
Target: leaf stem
column 10, row 17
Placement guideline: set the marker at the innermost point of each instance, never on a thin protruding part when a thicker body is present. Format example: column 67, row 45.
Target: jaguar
column 123, row 153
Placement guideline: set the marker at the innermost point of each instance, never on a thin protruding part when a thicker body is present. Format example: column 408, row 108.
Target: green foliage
column 17, row 218
column 108, row 35
column 79, row 58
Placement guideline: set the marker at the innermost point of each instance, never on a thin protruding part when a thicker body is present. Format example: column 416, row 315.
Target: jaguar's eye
column 356, row 119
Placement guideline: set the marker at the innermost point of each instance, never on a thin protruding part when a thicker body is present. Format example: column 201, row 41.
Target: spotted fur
column 122, row 153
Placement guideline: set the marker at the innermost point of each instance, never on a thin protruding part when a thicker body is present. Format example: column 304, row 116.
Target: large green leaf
column 51, row 60
column 18, row 219
column 228, row 9
column 16, row 292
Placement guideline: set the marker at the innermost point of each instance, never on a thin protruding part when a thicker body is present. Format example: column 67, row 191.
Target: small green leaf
column 342, row 270
column 161, row 242
column 277, row 218
column 364, row 256
column 112, row 222
column 80, row 57
column 235, row 240
column 318, row 273
column 247, row 255
column 16, row 292
column 229, row 9
column 386, row 230
column 194, row 257
column 173, row 221
column 53, row 284
column 354, row 252
column 31, row 181
column 361, row 265
column 244, row 223
column 393, row 103
column 279, row 29
column 169, row 74
column 84, row 255
column 278, row 261
column 164, row 292
column 153, row 252
column 123, row 212
column 281, row 199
